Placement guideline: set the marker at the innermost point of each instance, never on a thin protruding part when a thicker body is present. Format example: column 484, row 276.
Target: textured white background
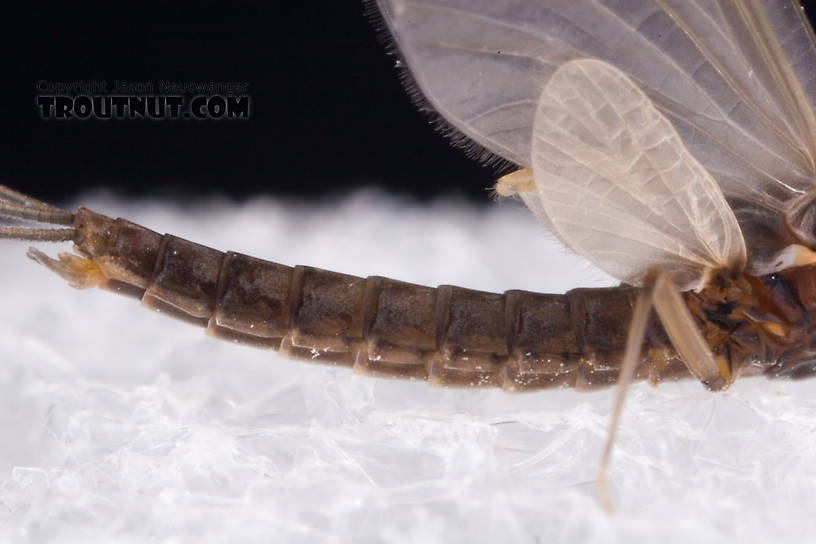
column 121, row 426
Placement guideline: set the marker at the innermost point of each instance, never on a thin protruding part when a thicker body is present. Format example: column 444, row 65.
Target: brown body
column 761, row 324
column 448, row 335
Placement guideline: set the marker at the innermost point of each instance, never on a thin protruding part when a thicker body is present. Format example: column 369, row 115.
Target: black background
column 328, row 110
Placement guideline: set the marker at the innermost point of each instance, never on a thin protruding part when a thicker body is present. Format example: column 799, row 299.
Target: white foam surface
column 121, row 426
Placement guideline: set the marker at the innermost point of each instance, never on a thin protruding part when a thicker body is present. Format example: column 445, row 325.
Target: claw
column 79, row 272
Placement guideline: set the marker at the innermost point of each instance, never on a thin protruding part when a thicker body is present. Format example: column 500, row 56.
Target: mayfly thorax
column 671, row 143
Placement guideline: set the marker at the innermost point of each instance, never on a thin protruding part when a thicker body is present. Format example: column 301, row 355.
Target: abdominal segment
column 449, row 336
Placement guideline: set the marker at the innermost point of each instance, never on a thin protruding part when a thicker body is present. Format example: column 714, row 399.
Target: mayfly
column 670, row 142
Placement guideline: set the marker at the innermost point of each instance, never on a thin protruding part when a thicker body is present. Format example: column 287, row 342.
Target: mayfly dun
column 671, row 143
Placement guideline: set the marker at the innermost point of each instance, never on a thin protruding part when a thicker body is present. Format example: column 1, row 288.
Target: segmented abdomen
column 448, row 335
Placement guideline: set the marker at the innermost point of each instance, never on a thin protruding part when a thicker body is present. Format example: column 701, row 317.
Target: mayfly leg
column 714, row 372
column 660, row 293
column 634, row 343
column 514, row 183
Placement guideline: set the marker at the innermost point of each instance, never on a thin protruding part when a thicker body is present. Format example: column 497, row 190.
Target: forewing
column 619, row 186
column 737, row 79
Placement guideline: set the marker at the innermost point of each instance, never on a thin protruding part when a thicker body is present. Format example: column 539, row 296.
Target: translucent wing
column 737, row 79
column 619, row 187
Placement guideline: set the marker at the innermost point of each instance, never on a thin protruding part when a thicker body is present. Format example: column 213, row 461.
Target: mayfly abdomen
column 447, row 335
